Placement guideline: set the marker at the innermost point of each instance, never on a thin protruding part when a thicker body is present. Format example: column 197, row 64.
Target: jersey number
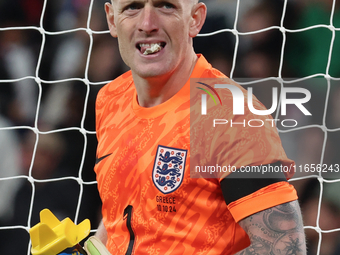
column 127, row 217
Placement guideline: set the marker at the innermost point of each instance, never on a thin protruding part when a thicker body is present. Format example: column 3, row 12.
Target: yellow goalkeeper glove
column 51, row 236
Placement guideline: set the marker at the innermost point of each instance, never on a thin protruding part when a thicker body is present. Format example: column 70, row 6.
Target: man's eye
column 167, row 5
column 133, row 6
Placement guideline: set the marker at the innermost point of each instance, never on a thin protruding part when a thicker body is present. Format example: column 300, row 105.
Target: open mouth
column 150, row 48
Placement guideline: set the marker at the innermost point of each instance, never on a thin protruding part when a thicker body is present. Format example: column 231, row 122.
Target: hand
column 93, row 246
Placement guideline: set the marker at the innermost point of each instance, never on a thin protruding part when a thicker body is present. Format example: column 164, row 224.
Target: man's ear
column 110, row 19
column 198, row 15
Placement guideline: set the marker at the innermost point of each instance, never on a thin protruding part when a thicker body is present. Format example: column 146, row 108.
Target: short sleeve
column 225, row 142
column 269, row 196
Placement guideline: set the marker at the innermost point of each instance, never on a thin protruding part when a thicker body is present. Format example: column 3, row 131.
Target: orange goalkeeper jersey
column 150, row 203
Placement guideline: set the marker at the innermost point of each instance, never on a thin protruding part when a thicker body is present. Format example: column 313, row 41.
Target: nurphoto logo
column 238, row 104
column 238, row 99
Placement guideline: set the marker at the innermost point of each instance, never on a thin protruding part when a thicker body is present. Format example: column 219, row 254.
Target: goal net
column 56, row 55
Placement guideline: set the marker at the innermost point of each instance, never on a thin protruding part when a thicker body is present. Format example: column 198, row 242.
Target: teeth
column 152, row 48
column 148, row 44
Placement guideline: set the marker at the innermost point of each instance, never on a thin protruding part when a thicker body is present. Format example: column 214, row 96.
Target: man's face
column 165, row 26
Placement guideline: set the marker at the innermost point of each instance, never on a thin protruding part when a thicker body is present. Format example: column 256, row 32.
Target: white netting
column 69, row 71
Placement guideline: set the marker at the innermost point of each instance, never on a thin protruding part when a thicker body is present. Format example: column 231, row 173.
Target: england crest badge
column 168, row 169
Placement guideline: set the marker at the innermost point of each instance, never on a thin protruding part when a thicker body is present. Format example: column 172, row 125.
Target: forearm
column 277, row 230
column 101, row 233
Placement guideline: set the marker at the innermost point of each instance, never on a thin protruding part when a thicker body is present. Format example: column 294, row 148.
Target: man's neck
column 156, row 90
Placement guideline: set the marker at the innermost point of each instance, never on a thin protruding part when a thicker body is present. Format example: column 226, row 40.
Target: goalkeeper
column 143, row 131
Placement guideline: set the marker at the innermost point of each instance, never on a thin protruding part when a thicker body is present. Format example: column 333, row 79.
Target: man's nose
column 149, row 20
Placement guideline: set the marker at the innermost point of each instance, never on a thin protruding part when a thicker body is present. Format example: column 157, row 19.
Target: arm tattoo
column 277, row 230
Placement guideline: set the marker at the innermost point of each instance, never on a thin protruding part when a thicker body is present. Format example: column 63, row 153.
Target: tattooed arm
column 277, row 230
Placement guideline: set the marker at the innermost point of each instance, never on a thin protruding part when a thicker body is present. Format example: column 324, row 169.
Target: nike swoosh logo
column 101, row 158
